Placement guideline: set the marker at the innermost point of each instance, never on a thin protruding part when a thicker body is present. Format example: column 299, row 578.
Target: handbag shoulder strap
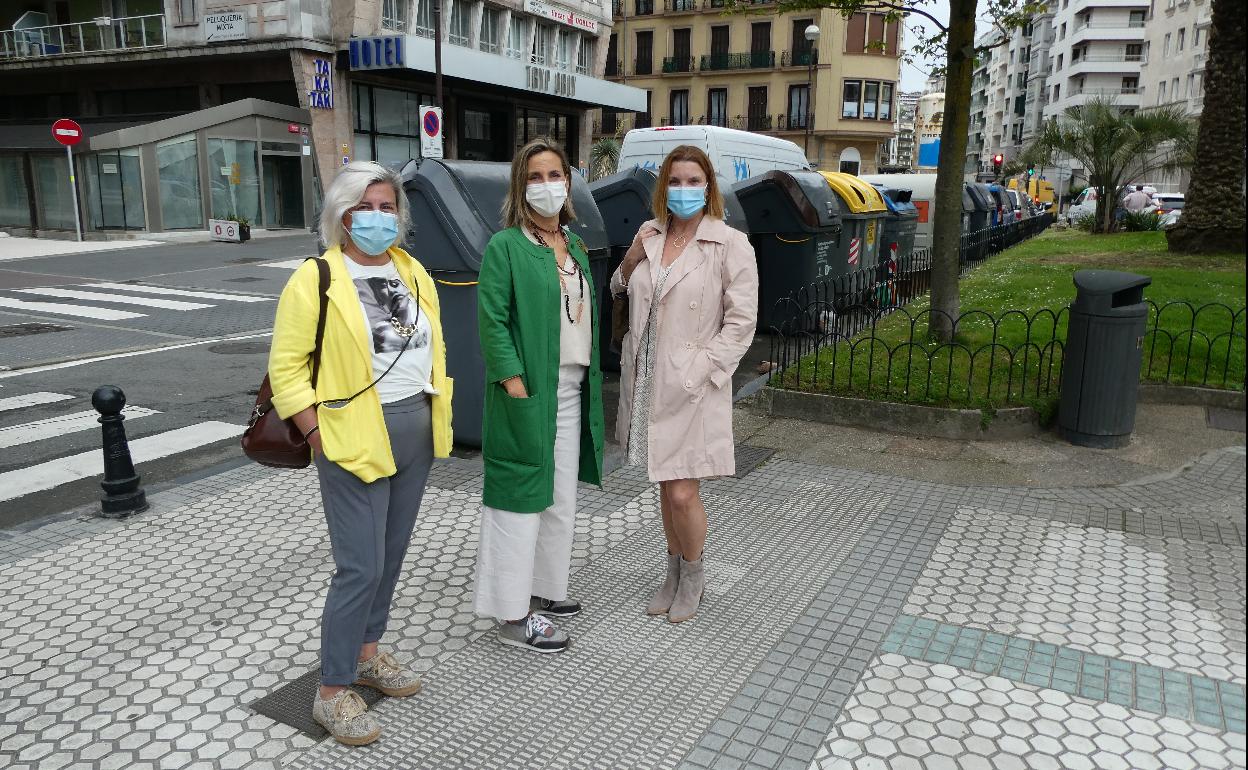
column 323, row 284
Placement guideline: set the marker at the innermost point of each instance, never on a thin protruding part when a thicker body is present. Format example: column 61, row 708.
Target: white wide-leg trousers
column 529, row 554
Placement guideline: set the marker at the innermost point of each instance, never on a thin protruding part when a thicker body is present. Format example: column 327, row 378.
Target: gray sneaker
column 383, row 672
column 346, row 718
column 554, row 608
column 534, row 633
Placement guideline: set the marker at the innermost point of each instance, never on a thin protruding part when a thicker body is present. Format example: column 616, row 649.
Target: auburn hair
column 714, row 200
column 516, row 210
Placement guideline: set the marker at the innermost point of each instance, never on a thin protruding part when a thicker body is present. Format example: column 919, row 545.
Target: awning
column 416, row 53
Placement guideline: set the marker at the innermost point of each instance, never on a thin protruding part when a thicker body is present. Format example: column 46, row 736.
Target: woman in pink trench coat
column 692, row 284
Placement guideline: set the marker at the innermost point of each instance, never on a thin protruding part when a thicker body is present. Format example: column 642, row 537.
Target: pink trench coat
column 706, row 320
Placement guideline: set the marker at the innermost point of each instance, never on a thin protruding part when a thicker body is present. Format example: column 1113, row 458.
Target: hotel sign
column 561, row 15
column 547, row 81
column 371, row 53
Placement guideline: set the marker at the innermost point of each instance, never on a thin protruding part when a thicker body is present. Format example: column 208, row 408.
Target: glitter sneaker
column 346, row 718
column 383, row 672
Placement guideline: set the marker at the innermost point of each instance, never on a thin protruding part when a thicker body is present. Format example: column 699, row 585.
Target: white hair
column 348, row 190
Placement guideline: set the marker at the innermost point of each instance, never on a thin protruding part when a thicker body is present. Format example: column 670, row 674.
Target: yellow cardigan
column 354, row 436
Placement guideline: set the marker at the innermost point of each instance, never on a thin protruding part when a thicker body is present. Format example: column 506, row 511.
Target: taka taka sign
column 561, row 15
column 321, row 95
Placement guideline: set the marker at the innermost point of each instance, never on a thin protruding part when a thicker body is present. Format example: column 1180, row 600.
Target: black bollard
column 122, row 494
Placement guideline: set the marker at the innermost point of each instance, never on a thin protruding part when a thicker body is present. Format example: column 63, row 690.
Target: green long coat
column 518, row 319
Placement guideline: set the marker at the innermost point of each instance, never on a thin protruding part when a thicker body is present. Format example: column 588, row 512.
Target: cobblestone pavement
column 853, row 620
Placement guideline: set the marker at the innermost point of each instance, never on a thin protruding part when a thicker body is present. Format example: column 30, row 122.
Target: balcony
column 1105, row 63
column 795, row 122
column 643, row 66
column 680, row 6
column 644, row 8
column 615, row 68
column 1121, row 97
column 752, row 123
column 100, row 35
column 617, row 8
column 739, row 61
column 1126, row 31
column 799, row 58
column 678, row 64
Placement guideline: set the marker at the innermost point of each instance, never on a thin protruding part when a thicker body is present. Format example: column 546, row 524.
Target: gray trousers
column 370, row 526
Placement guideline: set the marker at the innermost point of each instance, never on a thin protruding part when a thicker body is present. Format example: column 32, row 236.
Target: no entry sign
column 67, row 132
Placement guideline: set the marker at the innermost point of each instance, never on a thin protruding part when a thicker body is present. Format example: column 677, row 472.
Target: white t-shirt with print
column 389, row 311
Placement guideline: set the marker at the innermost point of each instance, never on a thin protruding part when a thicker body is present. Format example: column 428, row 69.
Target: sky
column 913, row 75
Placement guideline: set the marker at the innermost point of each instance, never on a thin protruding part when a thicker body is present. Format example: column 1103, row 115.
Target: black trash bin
column 897, row 241
column 455, row 211
column 1104, row 350
column 624, row 201
column 795, row 227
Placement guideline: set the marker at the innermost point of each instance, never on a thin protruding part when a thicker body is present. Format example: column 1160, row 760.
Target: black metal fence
column 1189, row 345
column 1007, row 359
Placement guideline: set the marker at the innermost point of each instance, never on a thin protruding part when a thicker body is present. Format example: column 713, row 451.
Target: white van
column 735, row 154
column 923, row 196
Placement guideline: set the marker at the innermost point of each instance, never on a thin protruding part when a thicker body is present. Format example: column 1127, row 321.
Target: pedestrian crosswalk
column 95, row 300
column 43, row 476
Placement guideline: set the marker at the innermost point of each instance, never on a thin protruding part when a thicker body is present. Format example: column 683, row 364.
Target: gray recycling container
column 899, row 225
column 983, row 204
column 1104, row 350
column 624, row 201
column 795, row 227
column 455, row 211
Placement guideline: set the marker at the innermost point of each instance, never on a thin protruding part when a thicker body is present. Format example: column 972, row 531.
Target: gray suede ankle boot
column 688, row 592
column 667, row 592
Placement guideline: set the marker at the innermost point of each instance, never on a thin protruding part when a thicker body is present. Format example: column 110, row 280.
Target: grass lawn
column 1003, row 358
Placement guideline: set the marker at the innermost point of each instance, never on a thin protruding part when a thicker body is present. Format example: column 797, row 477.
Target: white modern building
column 1176, row 47
column 1097, row 52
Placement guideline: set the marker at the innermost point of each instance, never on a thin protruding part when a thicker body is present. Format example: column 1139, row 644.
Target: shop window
column 363, row 107
column 394, row 15
column 14, row 201
column 680, row 108
column 54, row 199
column 233, row 179
column 717, row 107
column 491, row 21
column 363, row 147
column 148, row 101
column 177, row 163
column 517, row 34
column 114, row 190
column 851, row 95
column 459, row 22
column 585, row 56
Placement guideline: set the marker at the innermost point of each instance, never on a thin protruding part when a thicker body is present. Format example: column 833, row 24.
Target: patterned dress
column 643, row 385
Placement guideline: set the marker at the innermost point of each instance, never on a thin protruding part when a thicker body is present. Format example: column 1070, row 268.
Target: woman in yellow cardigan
column 379, row 414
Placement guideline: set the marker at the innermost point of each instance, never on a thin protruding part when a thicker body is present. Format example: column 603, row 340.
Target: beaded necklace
column 563, row 284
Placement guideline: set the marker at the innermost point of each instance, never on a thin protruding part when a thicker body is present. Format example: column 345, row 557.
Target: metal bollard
column 122, row 494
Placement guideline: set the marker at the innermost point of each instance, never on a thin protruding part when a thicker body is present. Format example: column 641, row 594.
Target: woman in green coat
column 543, row 402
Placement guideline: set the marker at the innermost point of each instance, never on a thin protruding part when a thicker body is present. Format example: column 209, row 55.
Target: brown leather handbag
column 270, row 440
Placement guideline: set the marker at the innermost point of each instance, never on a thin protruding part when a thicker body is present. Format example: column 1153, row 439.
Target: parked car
column 1023, row 205
column 1164, row 203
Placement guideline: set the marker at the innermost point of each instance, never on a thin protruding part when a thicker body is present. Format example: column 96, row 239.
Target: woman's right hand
column 636, row 253
column 515, row 387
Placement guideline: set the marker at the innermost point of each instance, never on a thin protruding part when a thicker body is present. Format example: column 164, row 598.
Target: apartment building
column 902, row 148
column 199, row 109
column 1176, row 46
column 701, row 64
column 1097, row 52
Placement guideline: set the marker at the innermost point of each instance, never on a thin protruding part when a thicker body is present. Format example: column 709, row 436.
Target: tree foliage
column 1114, row 147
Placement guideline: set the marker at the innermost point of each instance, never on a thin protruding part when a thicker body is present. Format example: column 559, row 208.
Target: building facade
column 1176, row 47
column 902, row 148
column 1097, row 52
column 701, row 64
column 202, row 109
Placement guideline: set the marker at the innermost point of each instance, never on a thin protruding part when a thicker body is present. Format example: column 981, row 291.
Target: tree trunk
column 1213, row 214
column 947, row 229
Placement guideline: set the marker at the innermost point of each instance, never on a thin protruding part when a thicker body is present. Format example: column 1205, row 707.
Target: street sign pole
column 73, row 190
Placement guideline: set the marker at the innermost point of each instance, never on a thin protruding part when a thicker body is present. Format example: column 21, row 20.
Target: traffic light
column 997, row 160
column 1031, row 171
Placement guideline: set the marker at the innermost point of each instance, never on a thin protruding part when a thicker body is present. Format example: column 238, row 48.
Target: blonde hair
column 714, row 200
column 348, row 189
column 515, row 210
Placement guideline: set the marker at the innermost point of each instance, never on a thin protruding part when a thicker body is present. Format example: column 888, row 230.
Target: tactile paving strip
column 1216, row 704
column 291, row 703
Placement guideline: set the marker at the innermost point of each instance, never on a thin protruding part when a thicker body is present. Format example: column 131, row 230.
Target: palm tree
column 604, row 156
column 1213, row 214
column 1114, row 147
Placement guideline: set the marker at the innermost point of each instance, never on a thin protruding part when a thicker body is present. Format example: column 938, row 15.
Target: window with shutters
column 645, row 54
column 875, row 34
column 856, row 33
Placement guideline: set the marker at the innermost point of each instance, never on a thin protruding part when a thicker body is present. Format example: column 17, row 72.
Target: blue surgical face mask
column 686, row 202
column 374, row 231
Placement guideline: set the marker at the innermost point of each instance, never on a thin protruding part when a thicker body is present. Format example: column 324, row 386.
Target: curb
column 1186, row 395
column 904, row 419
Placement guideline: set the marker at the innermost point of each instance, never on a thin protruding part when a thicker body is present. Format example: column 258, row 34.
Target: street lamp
column 812, row 37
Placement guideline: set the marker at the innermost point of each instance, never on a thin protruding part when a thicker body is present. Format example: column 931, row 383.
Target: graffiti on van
column 741, row 168
column 649, row 165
